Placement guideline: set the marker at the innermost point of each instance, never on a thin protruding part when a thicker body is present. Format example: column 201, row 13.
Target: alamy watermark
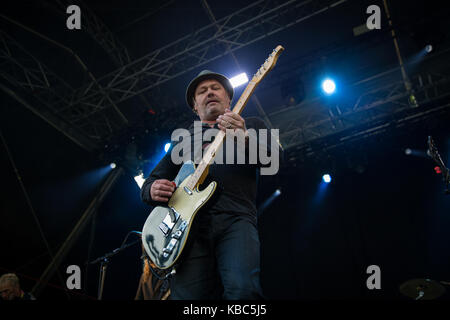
column 374, row 280
column 239, row 148
column 374, row 20
column 74, row 279
column 74, row 20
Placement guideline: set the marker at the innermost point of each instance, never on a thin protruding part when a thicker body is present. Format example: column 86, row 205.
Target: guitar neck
column 209, row 156
column 202, row 169
column 240, row 105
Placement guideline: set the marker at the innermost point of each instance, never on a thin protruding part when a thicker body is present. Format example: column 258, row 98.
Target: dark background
column 382, row 207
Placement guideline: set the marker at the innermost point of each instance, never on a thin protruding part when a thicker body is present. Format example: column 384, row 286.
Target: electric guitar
column 166, row 229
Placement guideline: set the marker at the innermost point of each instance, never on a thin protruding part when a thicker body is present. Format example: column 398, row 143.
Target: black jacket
column 237, row 183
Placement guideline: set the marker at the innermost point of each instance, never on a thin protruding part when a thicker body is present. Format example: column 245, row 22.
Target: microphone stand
column 437, row 158
column 104, row 260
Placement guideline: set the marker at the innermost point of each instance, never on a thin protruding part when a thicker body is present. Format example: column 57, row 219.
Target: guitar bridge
column 176, row 236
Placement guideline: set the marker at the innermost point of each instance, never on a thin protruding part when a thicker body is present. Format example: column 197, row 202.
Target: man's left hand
column 231, row 121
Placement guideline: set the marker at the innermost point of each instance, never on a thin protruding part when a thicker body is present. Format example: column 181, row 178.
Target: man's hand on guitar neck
column 231, row 120
column 162, row 190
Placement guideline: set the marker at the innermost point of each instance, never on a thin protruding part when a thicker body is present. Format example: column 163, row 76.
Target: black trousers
column 222, row 262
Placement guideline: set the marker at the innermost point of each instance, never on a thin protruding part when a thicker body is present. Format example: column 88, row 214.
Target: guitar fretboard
column 213, row 148
column 202, row 168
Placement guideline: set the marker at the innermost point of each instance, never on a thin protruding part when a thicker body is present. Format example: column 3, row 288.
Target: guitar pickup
column 164, row 228
column 169, row 221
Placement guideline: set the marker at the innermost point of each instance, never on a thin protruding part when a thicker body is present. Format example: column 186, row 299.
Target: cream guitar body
column 166, row 229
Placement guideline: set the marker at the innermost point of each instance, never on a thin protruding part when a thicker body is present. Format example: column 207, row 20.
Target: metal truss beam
column 95, row 27
column 382, row 103
column 31, row 78
column 113, row 119
column 318, row 124
column 87, row 109
column 245, row 26
column 100, row 33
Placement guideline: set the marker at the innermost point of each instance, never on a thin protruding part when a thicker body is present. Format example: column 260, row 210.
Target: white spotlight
column 112, row 165
column 408, row 151
column 429, row 48
column 239, row 80
column 328, row 86
column 167, row 146
column 326, row 178
column 139, row 180
column 277, row 192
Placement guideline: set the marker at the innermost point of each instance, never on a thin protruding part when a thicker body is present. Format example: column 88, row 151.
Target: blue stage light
column 112, row 165
column 326, row 178
column 328, row 86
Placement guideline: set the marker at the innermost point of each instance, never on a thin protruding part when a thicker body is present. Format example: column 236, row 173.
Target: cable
column 165, row 277
column 126, row 238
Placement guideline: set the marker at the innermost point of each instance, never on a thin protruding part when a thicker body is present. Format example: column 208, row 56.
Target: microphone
column 434, row 153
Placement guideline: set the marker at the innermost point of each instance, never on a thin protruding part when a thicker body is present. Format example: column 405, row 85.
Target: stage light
column 429, row 48
column 326, row 178
column 268, row 201
column 113, row 165
column 328, row 86
column 139, row 180
column 167, row 146
column 238, row 80
column 416, row 152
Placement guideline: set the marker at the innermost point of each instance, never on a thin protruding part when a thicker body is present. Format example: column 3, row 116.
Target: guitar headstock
column 268, row 65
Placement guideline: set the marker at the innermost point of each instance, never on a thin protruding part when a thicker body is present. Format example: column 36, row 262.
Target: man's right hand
column 162, row 190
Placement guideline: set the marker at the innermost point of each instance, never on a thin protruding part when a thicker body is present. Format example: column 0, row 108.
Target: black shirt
column 237, row 183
